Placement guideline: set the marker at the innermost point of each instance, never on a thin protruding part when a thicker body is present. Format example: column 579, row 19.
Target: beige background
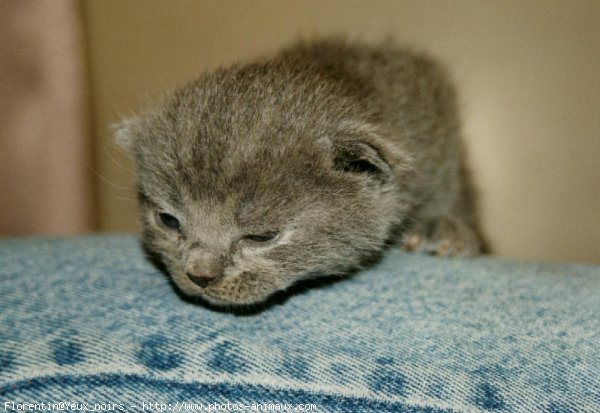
column 527, row 71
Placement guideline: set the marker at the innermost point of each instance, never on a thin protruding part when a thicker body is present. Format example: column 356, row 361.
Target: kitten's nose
column 201, row 279
column 203, row 266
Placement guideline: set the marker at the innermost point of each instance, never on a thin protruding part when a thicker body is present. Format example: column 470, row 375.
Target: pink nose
column 201, row 279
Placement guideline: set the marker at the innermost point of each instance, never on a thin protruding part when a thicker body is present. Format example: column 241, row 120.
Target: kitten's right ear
column 123, row 134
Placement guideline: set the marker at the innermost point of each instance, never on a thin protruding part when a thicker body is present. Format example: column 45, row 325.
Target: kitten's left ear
column 123, row 134
column 361, row 157
column 366, row 151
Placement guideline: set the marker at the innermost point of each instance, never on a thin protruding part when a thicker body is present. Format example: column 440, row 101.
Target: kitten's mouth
column 232, row 292
column 226, row 302
column 213, row 297
column 216, row 300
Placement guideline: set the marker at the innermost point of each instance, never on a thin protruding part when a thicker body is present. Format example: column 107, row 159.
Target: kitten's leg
column 444, row 236
column 447, row 225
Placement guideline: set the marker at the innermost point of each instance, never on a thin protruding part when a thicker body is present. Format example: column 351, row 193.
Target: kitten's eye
column 169, row 220
column 261, row 237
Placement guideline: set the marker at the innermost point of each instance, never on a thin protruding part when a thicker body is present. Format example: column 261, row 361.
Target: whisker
column 106, row 180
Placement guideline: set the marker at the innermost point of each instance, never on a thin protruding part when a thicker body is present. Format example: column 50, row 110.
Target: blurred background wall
column 527, row 75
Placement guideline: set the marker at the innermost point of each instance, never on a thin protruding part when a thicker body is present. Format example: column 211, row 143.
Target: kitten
column 308, row 163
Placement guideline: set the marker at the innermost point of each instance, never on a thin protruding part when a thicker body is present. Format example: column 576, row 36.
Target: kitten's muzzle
column 204, row 267
column 202, row 279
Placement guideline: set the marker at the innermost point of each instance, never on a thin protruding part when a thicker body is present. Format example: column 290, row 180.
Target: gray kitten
column 310, row 163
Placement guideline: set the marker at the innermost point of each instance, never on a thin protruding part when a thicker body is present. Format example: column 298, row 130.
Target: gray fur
column 340, row 148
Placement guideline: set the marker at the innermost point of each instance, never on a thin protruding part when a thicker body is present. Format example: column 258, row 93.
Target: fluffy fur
column 334, row 150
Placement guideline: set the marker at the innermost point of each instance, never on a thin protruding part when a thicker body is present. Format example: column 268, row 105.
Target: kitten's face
column 240, row 250
column 243, row 194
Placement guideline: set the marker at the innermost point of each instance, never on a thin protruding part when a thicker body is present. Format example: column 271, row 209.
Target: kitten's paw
column 444, row 237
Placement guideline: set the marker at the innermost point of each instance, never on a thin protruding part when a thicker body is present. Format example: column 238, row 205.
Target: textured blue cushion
column 89, row 320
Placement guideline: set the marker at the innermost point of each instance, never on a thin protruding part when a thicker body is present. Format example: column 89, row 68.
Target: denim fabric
column 90, row 320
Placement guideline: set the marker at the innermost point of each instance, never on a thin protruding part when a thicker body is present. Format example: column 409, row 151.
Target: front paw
column 443, row 236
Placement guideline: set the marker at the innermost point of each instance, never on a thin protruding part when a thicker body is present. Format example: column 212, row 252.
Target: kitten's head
column 256, row 177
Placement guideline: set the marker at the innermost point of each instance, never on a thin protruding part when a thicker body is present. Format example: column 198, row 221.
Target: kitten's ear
column 123, row 134
column 361, row 158
column 368, row 154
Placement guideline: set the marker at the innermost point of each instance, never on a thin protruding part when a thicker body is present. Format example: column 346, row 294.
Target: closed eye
column 261, row 237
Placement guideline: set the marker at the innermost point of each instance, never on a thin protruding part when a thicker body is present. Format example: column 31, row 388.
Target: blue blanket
column 89, row 320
